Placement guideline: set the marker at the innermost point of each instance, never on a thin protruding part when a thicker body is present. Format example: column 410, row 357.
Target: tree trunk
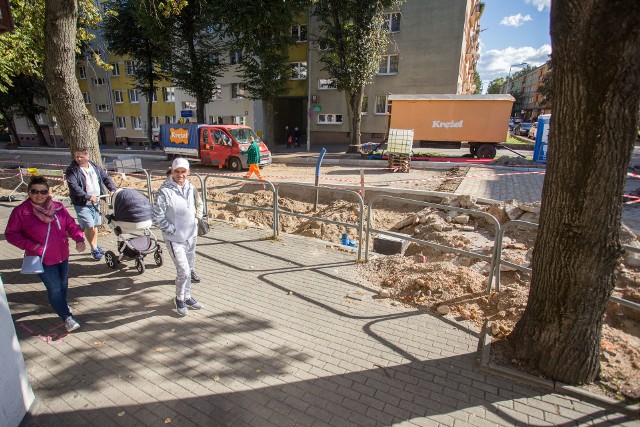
column 200, row 108
column 42, row 140
column 79, row 128
column 354, row 108
column 596, row 51
column 8, row 119
column 267, row 135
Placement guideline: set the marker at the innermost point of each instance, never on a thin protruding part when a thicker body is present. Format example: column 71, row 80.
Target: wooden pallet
column 399, row 162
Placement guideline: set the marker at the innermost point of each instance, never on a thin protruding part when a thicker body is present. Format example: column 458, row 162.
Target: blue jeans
column 56, row 279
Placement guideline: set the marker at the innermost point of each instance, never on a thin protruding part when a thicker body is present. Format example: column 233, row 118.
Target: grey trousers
column 183, row 255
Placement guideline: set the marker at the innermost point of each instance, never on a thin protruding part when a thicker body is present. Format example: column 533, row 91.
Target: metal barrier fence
column 490, row 218
column 314, row 188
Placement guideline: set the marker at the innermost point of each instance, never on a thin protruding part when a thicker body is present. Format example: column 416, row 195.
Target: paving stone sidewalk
column 288, row 337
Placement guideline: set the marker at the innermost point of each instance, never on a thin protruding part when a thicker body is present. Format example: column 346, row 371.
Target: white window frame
column 102, row 108
column 388, row 21
column 86, row 97
column 387, row 106
column 130, row 68
column 169, row 119
column 82, row 72
column 235, row 57
column 329, row 119
column 154, row 96
column 169, row 94
column 155, row 122
column 217, row 93
column 299, row 70
column 133, row 96
column 387, row 60
column 99, row 81
column 326, row 84
column 121, row 122
column 298, row 34
column 117, row 97
column 189, row 105
column 115, row 71
column 237, row 91
column 136, row 122
column 365, row 105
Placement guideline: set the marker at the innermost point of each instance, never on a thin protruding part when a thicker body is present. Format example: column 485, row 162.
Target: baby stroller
column 132, row 214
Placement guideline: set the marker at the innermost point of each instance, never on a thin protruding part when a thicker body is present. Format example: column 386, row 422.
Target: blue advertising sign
column 542, row 139
column 186, row 113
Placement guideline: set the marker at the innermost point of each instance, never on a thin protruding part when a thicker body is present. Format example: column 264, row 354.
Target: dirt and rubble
column 445, row 284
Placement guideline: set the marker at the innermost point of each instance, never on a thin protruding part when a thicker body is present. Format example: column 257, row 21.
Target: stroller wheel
column 157, row 257
column 111, row 259
column 139, row 266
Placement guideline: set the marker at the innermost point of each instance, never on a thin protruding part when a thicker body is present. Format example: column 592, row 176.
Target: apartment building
column 433, row 48
column 526, row 89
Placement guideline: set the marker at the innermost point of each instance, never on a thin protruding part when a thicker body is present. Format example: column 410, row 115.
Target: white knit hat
column 180, row 162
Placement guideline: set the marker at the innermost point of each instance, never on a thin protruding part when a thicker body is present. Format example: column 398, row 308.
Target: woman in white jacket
column 175, row 212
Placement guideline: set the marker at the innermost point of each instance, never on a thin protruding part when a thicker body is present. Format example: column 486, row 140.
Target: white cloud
column 495, row 63
column 540, row 4
column 515, row 20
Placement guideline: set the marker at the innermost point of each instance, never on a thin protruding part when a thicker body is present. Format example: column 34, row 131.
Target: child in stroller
column 132, row 213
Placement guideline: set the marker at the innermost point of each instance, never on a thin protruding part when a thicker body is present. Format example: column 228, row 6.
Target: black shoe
column 194, row 277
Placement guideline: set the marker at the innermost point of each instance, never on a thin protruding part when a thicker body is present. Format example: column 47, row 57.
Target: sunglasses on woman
column 43, row 192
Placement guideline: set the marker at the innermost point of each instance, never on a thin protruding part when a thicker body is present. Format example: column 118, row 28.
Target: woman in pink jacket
column 27, row 229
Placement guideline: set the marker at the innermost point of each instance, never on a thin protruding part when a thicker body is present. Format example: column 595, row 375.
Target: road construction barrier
column 54, row 174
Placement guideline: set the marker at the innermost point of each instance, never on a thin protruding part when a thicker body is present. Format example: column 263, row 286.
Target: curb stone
column 484, row 349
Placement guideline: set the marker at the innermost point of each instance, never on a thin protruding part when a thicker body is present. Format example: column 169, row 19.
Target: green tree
column 496, row 85
column 477, row 81
column 261, row 31
column 596, row 94
column 194, row 60
column 352, row 40
column 28, row 96
column 546, row 88
column 132, row 29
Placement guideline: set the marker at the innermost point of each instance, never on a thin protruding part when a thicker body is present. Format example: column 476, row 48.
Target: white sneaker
column 71, row 324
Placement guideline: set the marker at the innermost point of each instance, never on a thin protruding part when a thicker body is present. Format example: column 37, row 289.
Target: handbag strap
column 46, row 241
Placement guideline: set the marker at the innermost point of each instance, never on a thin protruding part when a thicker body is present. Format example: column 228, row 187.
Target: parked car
column 533, row 131
column 513, row 121
column 524, row 129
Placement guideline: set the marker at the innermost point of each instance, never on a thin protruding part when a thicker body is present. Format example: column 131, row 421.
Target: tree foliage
column 195, row 60
column 130, row 30
column 546, row 88
column 495, row 86
column 477, row 81
column 351, row 42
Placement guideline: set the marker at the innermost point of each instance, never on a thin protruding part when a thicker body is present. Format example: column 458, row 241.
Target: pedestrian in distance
column 174, row 212
column 87, row 182
column 287, row 136
column 298, row 135
column 253, row 158
column 42, row 227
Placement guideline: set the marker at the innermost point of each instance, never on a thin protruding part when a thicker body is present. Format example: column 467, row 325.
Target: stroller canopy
column 130, row 205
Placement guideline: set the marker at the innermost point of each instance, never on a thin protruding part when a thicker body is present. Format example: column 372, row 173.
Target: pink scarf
column 45, row 213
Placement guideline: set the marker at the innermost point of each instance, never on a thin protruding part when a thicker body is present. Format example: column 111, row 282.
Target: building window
column 136, row 122
column 117, row 97
column 169, row 94
column 115, row 71
column 121, row 122
column 133, row 96
column 189, row 105
column 237, row 91
column 298, row 70
column 169, row 119
column 217, row 93
column 235, row 57
column 239, row 120
column 388, row 64
column 365, row 105
column 130, row 68
column 82, row 72
column 102, row 108
column 382, row 105
column 329, row 119
column 326, row 84
column 154, row 96
column 99, row 81
column 215, row 120
column 86, row 97
column 155, row 122
column 299, row 33
column 392, row 22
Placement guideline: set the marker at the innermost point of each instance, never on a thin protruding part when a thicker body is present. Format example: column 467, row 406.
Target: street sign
column 186, row 113
column 317, row 108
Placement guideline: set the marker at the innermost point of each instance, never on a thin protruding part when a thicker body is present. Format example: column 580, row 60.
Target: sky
column 512, row 32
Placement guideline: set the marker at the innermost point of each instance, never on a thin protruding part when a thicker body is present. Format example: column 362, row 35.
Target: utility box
column 542, row 139
column 389, row 245
column 480, row 120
